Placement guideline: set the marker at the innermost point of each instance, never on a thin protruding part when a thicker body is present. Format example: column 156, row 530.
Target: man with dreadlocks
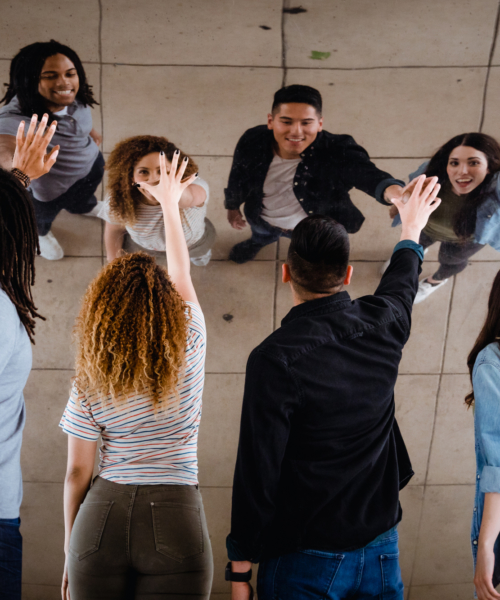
column 49, row 78
column 18, row 248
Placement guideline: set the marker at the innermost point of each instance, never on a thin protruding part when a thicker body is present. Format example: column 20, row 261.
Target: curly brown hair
column 131, row 333
column 124, row 198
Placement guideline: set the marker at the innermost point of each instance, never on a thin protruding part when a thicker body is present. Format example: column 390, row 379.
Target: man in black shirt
column 320, row 458
column 291, row 168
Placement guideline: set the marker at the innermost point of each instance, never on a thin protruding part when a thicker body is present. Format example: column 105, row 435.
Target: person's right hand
column 484, row 575
column 422, row 203
column 236, row 219
column 31, row 155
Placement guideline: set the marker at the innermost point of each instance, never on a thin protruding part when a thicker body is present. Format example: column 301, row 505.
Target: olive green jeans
column 141, row 542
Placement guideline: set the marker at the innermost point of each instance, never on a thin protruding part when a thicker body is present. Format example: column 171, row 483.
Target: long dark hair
column 25, row 70
column 465, row 221
column 18, row 248
column 489, row 333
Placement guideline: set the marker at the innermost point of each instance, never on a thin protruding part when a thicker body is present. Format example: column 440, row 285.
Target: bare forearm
column 176, row 247
column 113, row 241
column 490, row 523
column 76, row 486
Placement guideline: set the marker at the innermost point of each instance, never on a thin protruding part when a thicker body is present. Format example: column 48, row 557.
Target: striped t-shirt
column 149, row 228
column 137, row 447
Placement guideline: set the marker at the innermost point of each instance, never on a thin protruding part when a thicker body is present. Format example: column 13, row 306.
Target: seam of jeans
column 128, row 523
column 359, row 577
column 274, row 577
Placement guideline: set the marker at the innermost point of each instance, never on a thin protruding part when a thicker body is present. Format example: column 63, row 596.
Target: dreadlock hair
column 124, row 199
column 25, row 70
column 18, row 248
column 465, row 221
column 131, row 333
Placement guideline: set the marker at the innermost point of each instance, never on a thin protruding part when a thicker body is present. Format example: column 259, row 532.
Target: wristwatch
column 240, row 577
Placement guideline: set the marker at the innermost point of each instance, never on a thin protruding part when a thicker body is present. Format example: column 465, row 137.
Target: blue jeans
column 11, row 559
column 370, row 572
column 263, row 233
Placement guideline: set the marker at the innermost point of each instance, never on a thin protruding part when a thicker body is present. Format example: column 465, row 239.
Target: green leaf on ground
column 315, row 55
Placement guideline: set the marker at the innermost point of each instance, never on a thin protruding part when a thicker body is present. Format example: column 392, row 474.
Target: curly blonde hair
column 124, row 199
column 131, row 333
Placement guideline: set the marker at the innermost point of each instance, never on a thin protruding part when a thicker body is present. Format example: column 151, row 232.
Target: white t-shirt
column 281, row 207
column 149, row 229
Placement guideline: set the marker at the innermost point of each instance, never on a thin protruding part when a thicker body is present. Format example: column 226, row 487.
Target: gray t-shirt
column 76, row 156
column 15, row 366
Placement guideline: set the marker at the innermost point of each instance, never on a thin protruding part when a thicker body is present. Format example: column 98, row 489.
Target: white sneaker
column 202, row 261
column 49, row 247
column 385, row 266
column 425, row 289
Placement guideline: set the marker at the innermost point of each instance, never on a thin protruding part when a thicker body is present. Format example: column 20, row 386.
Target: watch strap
column 239, row 577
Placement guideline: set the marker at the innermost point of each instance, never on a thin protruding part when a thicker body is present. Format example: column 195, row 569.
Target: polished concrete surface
column 402, row 77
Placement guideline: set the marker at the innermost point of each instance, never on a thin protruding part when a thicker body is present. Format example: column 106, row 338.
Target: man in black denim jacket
column 291, row 168
column 321, row 459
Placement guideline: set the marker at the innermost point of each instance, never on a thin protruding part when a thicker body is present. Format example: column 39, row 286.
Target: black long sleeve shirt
column 321, row 459
column 330, row 167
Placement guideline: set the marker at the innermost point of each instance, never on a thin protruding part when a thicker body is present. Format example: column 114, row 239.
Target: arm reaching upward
column 168, row 193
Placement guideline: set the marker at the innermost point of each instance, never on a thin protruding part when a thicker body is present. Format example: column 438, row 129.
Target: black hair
column 298, row 93
column 465, row 221
column 18, row 248
column 318, row 255
column 489, row 333
column 25, row 70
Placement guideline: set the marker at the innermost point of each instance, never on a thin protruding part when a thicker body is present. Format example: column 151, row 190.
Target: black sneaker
column 244, row 251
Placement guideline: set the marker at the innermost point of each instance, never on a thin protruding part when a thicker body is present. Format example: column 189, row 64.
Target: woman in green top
column 468, row 217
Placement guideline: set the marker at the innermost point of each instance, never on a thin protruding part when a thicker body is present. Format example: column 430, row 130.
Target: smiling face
column 295, row 127
column 466, row 168
column 59, row 82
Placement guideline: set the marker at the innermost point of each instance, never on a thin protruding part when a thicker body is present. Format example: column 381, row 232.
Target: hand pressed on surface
column 169, row 189
column 236, row 219
column 422, row 202
column 483, row 578
column 31, row 155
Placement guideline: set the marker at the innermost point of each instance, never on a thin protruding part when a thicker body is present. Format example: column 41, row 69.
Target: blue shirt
column 15, row 366
column 486, row 385
column 78, row 150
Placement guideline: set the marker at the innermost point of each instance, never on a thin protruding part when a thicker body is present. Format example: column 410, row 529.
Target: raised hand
column 31, row 155
column 422, row 202
column 169, row 189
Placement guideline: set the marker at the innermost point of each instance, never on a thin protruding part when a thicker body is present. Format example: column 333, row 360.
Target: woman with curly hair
column 131, row 209
column 48, row 77
column 140, row 530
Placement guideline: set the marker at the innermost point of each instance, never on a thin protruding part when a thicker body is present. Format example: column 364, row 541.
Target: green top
column 440, row 224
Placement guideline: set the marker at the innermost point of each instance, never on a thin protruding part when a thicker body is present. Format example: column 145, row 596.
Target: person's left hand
column 393, row 191
column 241, row 591
column 484, row 575
column 30, row 155
column 65, row 586
column 97, row 137
column 169, row 189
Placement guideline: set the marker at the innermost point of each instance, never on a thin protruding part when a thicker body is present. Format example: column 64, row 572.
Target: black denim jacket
column 320, row 458
column 330, row 167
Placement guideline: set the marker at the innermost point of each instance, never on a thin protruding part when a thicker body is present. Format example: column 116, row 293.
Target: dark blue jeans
column 370, row 572
column 11, row 559
column 78, row 199
column 263, row 233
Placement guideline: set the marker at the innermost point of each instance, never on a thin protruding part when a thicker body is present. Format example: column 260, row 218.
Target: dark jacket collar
column 328, row 303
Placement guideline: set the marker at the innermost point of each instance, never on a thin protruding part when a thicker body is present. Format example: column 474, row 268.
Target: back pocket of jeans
column 391, row 576
column 88, row 528
column 177, row 529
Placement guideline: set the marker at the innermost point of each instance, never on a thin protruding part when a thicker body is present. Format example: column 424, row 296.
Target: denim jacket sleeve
column 397, row 219
column 486, row 384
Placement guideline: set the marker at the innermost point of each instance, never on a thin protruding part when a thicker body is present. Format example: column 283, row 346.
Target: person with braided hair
column 140, row 530
column 18, row 248
column 48, row 77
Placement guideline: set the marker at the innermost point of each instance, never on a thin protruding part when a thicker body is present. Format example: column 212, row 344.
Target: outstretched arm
column 168, row 193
